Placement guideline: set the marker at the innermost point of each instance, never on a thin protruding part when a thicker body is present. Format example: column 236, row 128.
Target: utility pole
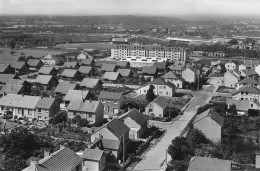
column 123, row 150
column 166, row 160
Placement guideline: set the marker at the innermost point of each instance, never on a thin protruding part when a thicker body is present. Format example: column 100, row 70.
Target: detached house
column 70, row 74
column 12, row 89
column 122, row 64
column 112, row 76
column 176, row 69
column 63, row 87
column 231, row 78
column 189, row 75
column 85, row 70
column 157, row 108
column 108, row 68
column 20, row 67
column 161, row 88
column 149, row 72
column 247, row 93
column 62, row 160
column 48, row 60
column 161, row 66
column 210, row 123
column 47, row 71
column 71, row 65
column 47, row 81
column 91, row 83
column 6, row 69
column 94, row 160
column 91, row 110
column 109, row 145
column 249, row 74
column 247, row 82
column 136, row 121
column 73, row 95
column 35, row 64
column 88, row 62
column 125, row 72
column 231, row 65
column 173, row 78
column 112, row 102
column 4, row 78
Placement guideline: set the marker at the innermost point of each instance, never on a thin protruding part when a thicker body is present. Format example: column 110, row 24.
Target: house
column 161, row 88
column 231, row 65
column 81, row 56
column 47, row 71
column 247, row 82
column 210, row 123
column 20, row 67
column 257, row 69
column 62, row 160
column 215, row 63
column 112, row 76
column 249, row 73
column 46, row 108
column 198, row 163
column 47, row 81
column 70, row 74
column 63, row 87
column 113, row 146
column 125, row 72
column 251, row 64
column 35, row 64
column 6, row 69
column 91, row 83
column 4, row 78
column 12, row 89
column 91, row 110
column 176, row 69
column 48, row 60
column 149, row 72
column 122, row 64
column 108, row 68
column 174, row 79
column 113, row 130
column 71, row 65
column 73, row 95
column 85, row 70
column 136, row 121
column 161, row 66
column 31, row 160
column 94, row 160
column 247, row 93
column 88, row 62
column 26, row 85
column 189, row 75
column 241, row 67
column 20, row 105
column 112, row 101
column 180, row 63
column 157, row 108
column 243, row 106
column 230, row 79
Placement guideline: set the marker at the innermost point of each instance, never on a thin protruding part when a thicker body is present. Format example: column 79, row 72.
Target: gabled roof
column 75, row 95
column 198, row 163
column 43, row 79
column 253, row 90
column 122, row 63
column 81, row 56
column 61, row 160
column 241, row 105
column 85, row 69
column 17, row 65
column 117, row 127
column 11, row 89
column 70, row 64
column 149, row 70
column 112, row 76
column 160, row 65
column 45, row 70
column 248, row 81
column 159, row 81
column 16, row 81
column 108, row 67
column 249, row 72
column 45, row 103
column 86, row 106
column 108, row 143
column 110, row 95
column 135, row 115
column 69, row 73
column 88, row 61
column 176, row 67
column 3, row 67
column 231, row 73
column 212, row 114
column 124, row 72
column 33, row 62
column 161, row 102
column 49, row 56
column 63, row 87
column 22, row 101
column 171, row 75
column 90, row 82
column 4, row 78
column 92, row 154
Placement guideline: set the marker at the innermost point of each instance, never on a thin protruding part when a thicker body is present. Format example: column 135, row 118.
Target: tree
column 178, row 165
column 233, row 110
column 196, row 138
column 233, row 42
column 12, row 44
column 14, row 163
column 179, row 149
column 150, row 96
column 59, row 118
column 257, row 123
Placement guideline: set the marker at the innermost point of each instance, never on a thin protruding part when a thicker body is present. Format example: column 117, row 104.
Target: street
column 154, row 159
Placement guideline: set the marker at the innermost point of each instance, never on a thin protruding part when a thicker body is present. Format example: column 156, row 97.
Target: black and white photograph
column 129, row 85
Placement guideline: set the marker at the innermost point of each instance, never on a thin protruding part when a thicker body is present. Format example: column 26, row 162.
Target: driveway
column 154, row 159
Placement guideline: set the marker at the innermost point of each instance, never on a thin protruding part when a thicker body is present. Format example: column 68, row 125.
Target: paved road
column 154, row 159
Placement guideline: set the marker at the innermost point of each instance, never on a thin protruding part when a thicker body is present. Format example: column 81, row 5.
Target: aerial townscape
column 120, row 88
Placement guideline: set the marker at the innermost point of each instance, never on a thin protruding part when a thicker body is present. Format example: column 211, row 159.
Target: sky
column 130, row 7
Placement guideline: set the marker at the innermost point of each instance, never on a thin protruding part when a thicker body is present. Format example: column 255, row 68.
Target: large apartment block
column 146, row 53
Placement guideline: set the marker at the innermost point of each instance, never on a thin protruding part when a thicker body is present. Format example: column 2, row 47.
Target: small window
column 252, row 105
column 39, row 110
column 30, row 112
column 115, row 101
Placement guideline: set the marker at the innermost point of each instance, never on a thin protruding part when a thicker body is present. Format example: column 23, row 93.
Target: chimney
column 46, row 153
column 62, row 147
column 257, row 160
column 33, row 162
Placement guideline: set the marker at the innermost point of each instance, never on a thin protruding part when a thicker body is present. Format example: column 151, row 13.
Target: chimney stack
column 46, row 153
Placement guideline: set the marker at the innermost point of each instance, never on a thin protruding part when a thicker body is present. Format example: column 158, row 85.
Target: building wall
column 91, row 165
column 157, row 111
column 161, row 90
column 189, row 76
column 105, row 133
column 112, row 107
column 210, row 128
column 178, row 83
column 230, row 66
column 230, row 80
column 246, row 96
column 135, row 129
column 20, row 112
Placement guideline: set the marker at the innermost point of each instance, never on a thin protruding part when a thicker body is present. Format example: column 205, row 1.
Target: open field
column 99, row 46
column 7, row 57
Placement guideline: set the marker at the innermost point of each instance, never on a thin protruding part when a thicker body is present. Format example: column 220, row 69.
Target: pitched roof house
column 125, row 72
column 48, row 81
column 6, row 69
column 86, row 70
column 48, row 60
column 47, row 71
column 4, row 78
column 149, row 72
column 12, row 89
column 20, row 67
column 122, row 64
column 174, row 78
column 115, row 146
column 198, row 163
column 189, row 75
column 63, row 88
column 231, row 79
column 158, row 107
column 176, row 68
column 88, row 62
column 161, row 66
column 249, row 73
column 91, row 83
column 210, row 123
column 71, row 65
column 70, row 74
column 247, row 82
column 35, row 64
column 111, row 76
column 108, row 68
column 62, row 160
column 136, row 121
column 94, row 159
